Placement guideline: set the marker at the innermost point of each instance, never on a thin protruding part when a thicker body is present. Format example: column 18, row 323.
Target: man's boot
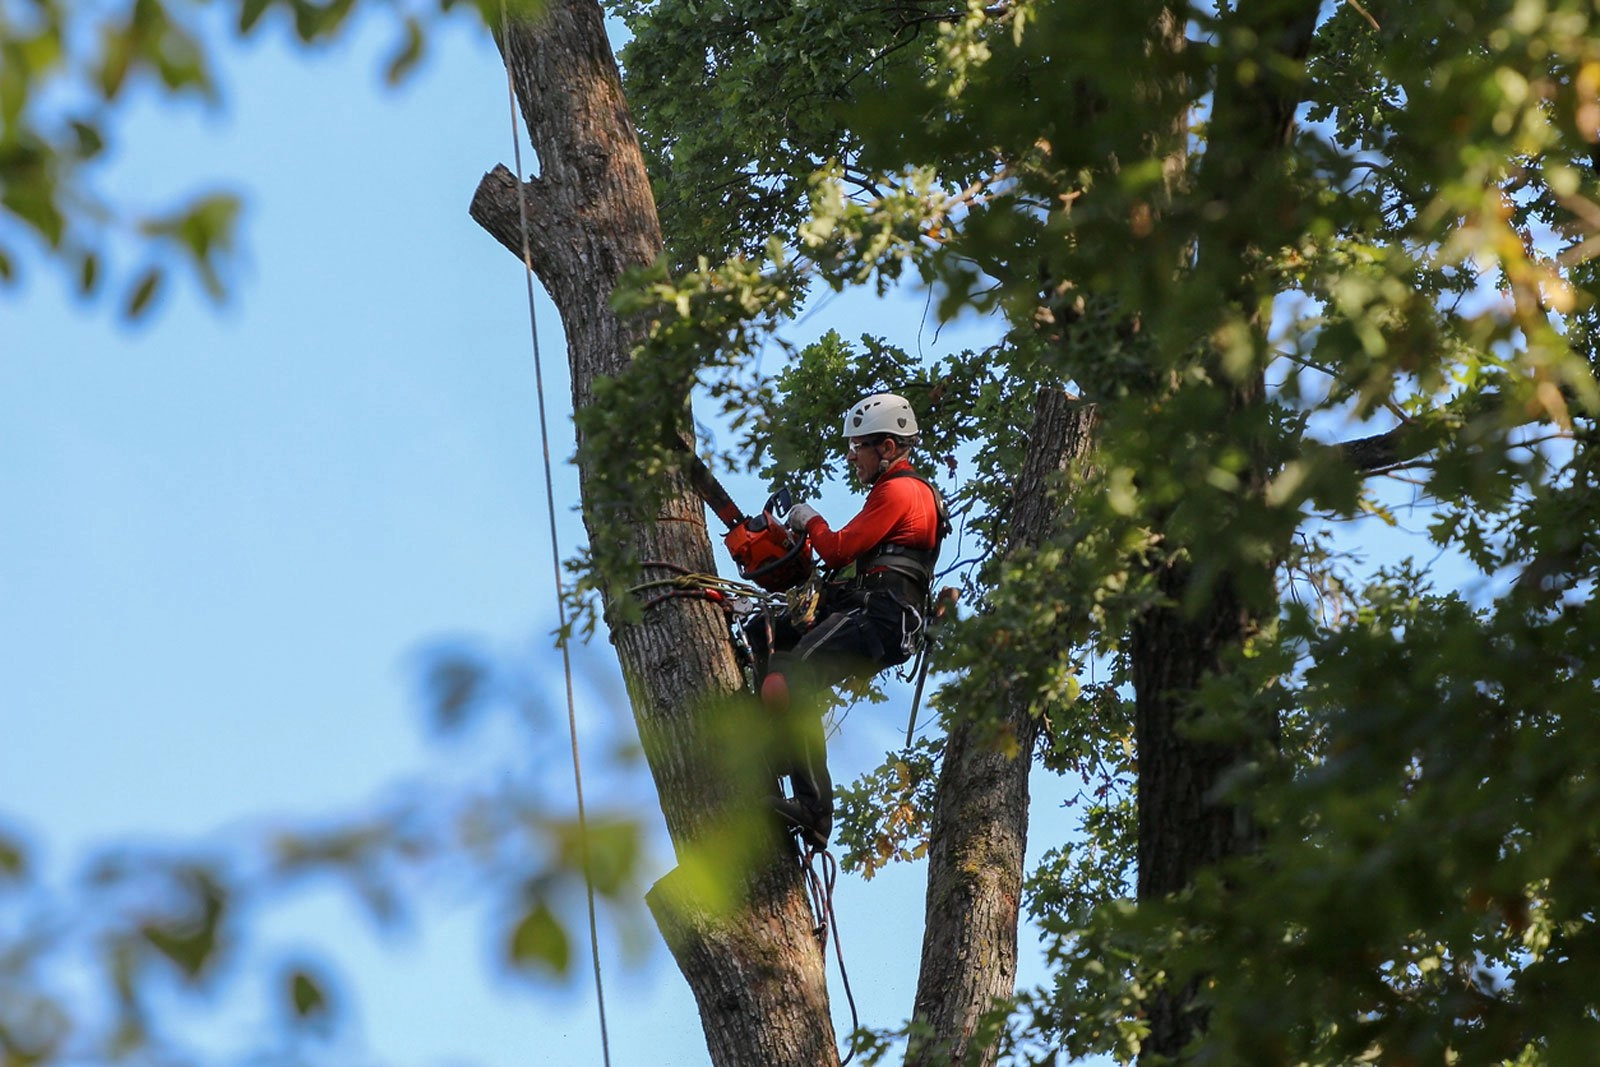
column 811, row 810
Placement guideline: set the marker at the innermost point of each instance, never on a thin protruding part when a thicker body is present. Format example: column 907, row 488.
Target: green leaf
column 306, row 995
column 408, row 55
column 13, row 858
column 613, row 853
column 180, row 61
column 313, row 21
column 190, row 940
column 8, row 269
column 116, row 56
column 88, row 274
column 517, row 9
column 31, row 196
column 203, row 229
column 91, row 142
column 143, row 292
column 458, row 683
column 540, row 942
column 250, row 13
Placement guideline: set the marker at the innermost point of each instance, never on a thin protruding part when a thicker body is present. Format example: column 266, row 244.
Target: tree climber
column 866, row 622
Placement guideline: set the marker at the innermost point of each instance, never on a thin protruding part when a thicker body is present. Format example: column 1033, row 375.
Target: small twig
column 1588, row 249
column 1398, row 412
column 1364, row 14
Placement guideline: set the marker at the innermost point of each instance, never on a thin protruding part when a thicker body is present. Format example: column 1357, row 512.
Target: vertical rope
column 555, row 546
column 821, row 889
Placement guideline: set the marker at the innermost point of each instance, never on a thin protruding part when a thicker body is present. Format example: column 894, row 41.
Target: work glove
column 800, row 517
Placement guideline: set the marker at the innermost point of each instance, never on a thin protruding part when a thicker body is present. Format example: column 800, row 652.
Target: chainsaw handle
column 779, row 505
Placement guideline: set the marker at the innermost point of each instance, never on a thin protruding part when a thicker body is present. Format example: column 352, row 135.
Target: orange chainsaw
column 763, row 547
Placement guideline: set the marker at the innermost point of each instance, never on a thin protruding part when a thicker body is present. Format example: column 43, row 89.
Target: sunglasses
column 855, row 446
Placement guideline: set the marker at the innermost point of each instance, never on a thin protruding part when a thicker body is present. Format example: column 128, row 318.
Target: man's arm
column 885, row 505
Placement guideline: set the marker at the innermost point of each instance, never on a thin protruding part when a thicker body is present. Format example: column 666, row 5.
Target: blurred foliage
column 116, row 961
column 70, row 72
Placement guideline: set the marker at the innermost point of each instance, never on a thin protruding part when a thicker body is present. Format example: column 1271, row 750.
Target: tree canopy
column 1314, row 270
column 1314, row 273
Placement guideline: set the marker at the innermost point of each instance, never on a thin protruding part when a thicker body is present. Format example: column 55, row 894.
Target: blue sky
column 231, row 530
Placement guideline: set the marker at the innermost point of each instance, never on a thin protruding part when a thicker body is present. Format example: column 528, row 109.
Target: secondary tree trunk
column 979, row 835
column 755, row 969
column 1183, row 828
column 1184, row 825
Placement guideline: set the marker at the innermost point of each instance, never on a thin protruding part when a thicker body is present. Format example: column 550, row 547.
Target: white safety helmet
column 881, row 413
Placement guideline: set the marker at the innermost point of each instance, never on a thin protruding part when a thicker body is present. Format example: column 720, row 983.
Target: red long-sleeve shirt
column 899, row 510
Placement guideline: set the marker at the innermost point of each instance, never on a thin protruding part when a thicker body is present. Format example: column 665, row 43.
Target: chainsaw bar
column 762, row 546
column 705, row 483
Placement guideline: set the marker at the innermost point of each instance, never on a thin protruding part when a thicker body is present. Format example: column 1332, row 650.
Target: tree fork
column 753, row 966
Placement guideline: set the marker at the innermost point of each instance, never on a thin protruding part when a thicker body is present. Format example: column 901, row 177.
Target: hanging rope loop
column 738, row 600
column 820, row 886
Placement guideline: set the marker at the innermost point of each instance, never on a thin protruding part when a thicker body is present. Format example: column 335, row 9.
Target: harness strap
column 903, row 559
column 915, row 563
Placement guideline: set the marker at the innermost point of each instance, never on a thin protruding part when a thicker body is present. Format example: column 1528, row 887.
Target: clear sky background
column 230, row 531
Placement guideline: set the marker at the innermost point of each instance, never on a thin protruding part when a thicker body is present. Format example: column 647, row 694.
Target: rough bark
column 979, row 834
column 755, row 969
column 1183, row 826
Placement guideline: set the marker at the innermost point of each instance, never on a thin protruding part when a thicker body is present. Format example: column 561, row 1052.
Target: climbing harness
column 555, row 547
column 820, row 887
column 914, row 563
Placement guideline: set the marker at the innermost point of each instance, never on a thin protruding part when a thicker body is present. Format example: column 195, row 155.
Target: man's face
column 866, row 457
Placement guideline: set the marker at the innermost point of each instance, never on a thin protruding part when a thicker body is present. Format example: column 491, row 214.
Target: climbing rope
column 820, row 886
column 687, row 583
column 943, row 607
column 555, row 545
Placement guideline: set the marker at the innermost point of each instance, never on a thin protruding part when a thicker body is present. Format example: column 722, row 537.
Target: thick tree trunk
column 1184, row 825
column 980, row 822
column 755, row 969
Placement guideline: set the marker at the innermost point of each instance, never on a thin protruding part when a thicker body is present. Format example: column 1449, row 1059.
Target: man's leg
column 813, row 786
column 799, row 751
column 835, row 649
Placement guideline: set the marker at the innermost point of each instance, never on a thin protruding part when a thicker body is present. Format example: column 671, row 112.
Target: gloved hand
column 800, row 516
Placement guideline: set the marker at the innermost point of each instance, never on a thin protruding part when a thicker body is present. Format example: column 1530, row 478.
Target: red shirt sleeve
column 900, row 510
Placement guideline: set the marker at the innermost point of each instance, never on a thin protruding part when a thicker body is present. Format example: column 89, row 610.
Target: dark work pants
column 857, row 635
